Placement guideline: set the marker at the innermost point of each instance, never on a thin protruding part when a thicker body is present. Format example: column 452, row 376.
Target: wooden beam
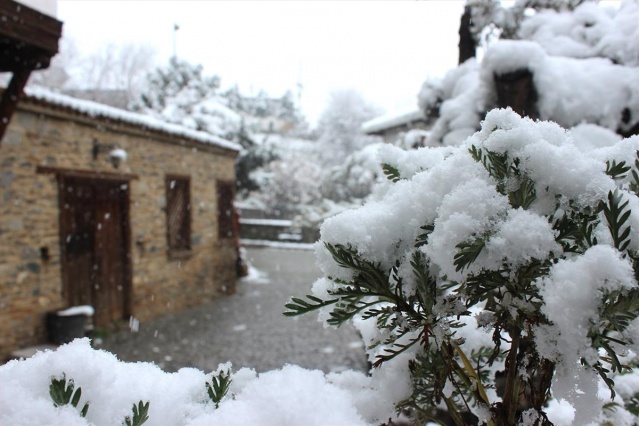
column 16, row 56
column 10, row 98
column 25, row 25
column 86, row 174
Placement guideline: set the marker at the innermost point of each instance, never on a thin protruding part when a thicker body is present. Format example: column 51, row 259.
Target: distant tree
column 252, row 159
column 234, row 98
column 57, row 76
column 339, row 126
column 180, row 82
column 289, row 185
column 265, row 114
column 490, row 19
column 114, row 67
column 117, row 67
column 354, row 178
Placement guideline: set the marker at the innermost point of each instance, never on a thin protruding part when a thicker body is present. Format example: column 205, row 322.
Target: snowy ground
column 248, row 328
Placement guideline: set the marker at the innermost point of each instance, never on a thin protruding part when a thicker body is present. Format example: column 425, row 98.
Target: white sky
column 384, row 49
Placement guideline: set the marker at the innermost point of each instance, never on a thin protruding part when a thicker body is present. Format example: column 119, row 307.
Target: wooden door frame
column 63, row 176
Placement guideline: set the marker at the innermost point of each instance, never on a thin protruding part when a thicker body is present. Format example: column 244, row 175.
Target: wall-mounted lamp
column 115, row 155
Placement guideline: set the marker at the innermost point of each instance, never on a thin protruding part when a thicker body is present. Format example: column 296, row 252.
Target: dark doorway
column 94, row 226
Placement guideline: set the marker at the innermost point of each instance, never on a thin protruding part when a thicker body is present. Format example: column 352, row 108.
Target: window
column 226, row 216
column 178, row 214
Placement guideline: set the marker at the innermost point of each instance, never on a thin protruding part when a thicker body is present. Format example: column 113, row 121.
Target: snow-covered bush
column 289, row 396
column 339, row 126
column 354, row 178
column 500, row 276
column 181, row 94
column 286, row 180
column 582, row 58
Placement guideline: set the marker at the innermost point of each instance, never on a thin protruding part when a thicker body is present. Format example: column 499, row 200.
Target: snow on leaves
column 538, row 242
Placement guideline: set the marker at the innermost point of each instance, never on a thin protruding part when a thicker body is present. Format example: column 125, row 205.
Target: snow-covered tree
column 354, row 178
column 287, row 186
column 288, row 180
column 581, row 66
column 490, row 19
column 497, row 271
column 180, row 82
column 339, row 126
column 262, row 113
column 180, row 93
column 498, row 277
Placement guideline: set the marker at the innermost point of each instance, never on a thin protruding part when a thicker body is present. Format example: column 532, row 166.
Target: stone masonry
column 54, row 137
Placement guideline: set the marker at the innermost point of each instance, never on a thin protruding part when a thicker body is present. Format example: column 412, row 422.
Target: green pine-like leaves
column 422, row 239
column 420, row 313
column 391, row 173
column 219, row 387
column 508, row 175
column 616, row 170
column 63, row 392
column 299, row 306
column 634, row 185
column 496, row 164
column 140, row 414
column 616, row 212
column 575, row 230
column 524, row 195
column 468, row 252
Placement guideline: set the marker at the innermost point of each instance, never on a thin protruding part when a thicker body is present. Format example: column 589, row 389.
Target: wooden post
column 466, row 40
column 10, row 98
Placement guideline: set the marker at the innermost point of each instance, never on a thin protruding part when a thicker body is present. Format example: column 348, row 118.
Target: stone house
column 104, row 207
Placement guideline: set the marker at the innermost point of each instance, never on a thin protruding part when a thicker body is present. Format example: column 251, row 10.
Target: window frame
column 225, row 222
column 178, row 248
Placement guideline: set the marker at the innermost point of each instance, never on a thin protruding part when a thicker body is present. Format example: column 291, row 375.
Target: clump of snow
column 587, row 32
column 461, row 107
column 255, row 276
column 572, row 292
column 408, row 163
column 571, row 91
column 592, row 136
column 291, row 395
column 77, row 310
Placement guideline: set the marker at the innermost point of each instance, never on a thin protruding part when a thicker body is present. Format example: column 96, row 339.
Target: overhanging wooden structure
column 28, row 41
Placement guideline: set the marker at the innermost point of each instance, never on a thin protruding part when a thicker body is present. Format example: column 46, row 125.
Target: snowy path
column 247, row 328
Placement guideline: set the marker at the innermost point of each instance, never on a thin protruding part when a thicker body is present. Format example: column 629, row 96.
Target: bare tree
column 116, row 67
column 57, row 76
column 339, row 126
column 113, row 73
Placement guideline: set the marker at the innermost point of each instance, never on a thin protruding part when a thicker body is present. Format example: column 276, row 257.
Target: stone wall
column 44, row 136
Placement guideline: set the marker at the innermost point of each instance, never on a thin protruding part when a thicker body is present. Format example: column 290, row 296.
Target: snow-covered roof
column 583, row 65
column 100, row 111
column 389, row 121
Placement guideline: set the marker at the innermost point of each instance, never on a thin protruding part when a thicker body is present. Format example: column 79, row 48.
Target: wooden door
column 94, row 232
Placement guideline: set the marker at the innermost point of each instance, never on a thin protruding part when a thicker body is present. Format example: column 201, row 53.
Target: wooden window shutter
column 226, row 217
column 178, row 213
